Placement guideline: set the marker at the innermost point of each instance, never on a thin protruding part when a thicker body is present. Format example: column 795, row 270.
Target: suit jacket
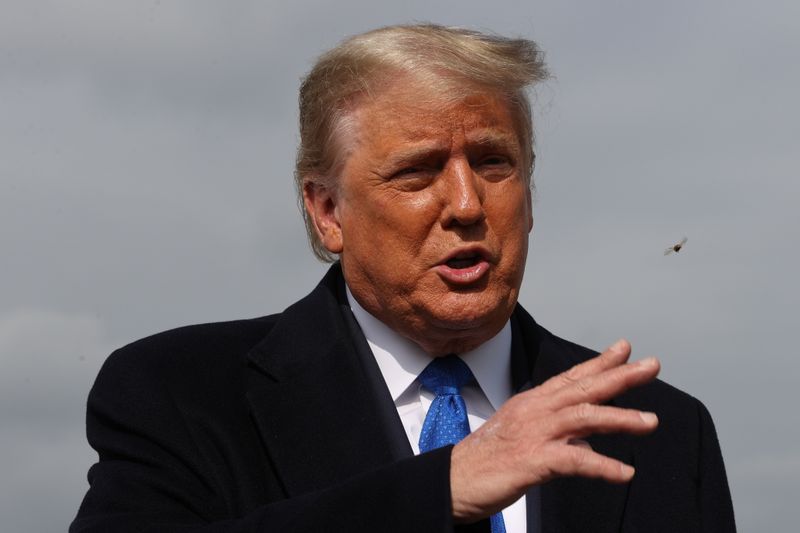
column 283, row 423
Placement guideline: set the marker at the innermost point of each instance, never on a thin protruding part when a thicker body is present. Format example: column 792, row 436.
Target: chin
column 451, row 327
column 469, row 314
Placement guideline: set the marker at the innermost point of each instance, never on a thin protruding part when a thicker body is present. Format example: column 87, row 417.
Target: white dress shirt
column 401, row 361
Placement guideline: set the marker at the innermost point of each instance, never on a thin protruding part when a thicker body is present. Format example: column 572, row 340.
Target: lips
column 464, row 266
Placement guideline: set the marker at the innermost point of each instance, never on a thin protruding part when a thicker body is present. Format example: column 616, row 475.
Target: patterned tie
column 446, row 422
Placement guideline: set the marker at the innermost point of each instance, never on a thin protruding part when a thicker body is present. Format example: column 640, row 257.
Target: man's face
column 431, row 216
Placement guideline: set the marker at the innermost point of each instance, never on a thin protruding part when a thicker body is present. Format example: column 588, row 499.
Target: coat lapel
column 311, row 397
column 567, row 504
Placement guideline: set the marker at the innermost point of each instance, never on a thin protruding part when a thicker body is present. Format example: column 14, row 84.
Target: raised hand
column 537, row 435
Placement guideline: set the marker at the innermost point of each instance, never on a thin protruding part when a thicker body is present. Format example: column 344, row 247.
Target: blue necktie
column 446, row 421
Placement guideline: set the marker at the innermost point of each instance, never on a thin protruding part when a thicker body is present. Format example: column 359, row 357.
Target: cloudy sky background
column 146, row 154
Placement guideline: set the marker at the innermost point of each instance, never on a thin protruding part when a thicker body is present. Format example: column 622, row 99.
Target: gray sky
column 146, row 154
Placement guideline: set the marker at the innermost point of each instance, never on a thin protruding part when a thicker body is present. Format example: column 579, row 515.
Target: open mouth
column 465, row 267
column 464, row 261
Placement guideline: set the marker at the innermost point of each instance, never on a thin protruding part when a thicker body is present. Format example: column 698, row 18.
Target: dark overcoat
column 284, row 424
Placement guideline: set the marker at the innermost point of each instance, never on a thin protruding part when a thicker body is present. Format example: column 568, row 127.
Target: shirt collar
column 402, row 360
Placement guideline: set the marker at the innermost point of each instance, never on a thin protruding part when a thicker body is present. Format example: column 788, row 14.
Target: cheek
column 388, row 225
column 511, row 218
column 407, row 216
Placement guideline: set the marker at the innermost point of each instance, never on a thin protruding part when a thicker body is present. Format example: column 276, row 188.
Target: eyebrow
column 415, row 153
column 494, row 138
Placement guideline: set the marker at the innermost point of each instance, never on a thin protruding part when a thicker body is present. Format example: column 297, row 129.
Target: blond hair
column 437, row 56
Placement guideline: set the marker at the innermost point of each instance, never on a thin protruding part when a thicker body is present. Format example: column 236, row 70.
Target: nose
column 463, row 196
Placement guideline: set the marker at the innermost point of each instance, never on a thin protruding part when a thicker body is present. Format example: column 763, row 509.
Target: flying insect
column 676, row 247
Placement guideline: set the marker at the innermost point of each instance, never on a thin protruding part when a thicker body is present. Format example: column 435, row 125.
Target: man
column 352, row 409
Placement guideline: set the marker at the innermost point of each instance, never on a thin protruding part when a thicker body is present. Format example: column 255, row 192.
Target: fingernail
column 618, row 346
column 649, row 418
column 627, row 470
column 647, row 362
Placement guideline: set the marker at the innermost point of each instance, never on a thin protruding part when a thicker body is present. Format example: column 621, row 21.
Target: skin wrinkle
column 541, row 435
column 441, row 66
column 458, row 94
column 393, row 224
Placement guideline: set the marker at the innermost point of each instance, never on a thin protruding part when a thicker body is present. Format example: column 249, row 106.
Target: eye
column 409, row 171
column 424, row 172
column 412, row 178
column 495, row 166
column 494, row 160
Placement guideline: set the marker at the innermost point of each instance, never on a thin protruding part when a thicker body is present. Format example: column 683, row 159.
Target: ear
column 320, row 203
column 529, row 199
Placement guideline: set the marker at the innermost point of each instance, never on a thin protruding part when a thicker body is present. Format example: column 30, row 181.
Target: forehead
column 405, row 113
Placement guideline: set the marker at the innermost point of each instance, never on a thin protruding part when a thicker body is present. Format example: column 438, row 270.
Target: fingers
column 598, row 379
column 599, row 388
column 586, row 419
column 538, row 435
column 615, row 355
column 583, row 462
